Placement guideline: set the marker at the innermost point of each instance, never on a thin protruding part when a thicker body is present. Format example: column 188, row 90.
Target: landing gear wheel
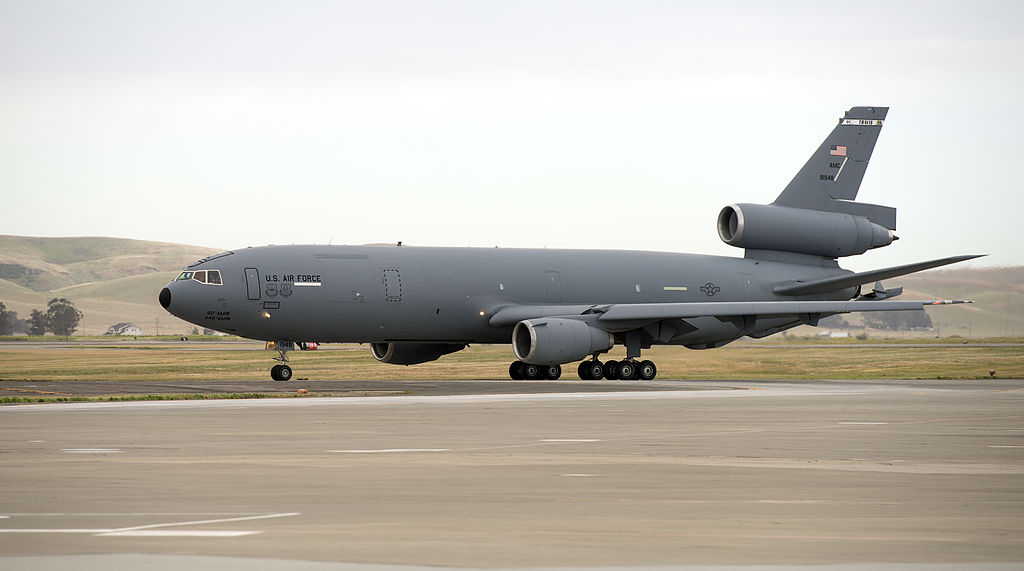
column 552, row 372
column 611, row 370
column 648, row 370
column 281, row 373
column 285, row 374
column 515, row 371
column 594, row 370
column 583, row 370
column 627, row 370
column 531, row 372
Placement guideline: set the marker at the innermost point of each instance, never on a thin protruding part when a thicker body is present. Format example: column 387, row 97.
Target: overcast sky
column 622, row 125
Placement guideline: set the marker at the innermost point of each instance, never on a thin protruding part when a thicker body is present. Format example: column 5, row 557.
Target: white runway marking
column 721, row 391
column 571, row 440
column 868, row 423
column 178, row 533
column 91, row 450
column 150, row 529
column 391, row 450
column 578, row 475
column 1007, row 446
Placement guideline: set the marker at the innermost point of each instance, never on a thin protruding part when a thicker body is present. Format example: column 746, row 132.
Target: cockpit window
column 211, row 277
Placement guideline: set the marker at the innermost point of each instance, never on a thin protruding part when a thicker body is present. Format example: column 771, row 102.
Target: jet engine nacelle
column 786, row 229
column 554, row 341
column 412, row 353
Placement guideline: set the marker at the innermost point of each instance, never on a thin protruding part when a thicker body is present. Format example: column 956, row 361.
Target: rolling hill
column 114, row 280
column 110, row 280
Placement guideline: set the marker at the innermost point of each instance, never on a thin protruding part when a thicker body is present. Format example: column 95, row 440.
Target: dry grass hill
column 110, row 280
column 114, row 280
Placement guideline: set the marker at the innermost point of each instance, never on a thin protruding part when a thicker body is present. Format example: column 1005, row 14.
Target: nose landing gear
column 281, row 372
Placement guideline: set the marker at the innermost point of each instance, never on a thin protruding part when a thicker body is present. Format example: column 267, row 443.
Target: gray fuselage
column 413, row 294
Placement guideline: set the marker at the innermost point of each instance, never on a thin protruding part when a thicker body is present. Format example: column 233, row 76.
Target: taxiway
column 703, row 473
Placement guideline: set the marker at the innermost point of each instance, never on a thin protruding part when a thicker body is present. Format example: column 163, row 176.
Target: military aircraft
column 414, row 304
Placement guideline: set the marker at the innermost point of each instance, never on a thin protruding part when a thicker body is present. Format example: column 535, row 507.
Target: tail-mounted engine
column 800, row 230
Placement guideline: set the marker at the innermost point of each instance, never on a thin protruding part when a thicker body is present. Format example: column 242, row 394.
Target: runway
column 865, row 473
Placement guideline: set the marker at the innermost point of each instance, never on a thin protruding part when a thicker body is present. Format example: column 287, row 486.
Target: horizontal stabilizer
column 853, row 280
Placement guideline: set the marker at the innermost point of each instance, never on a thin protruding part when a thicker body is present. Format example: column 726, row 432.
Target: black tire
column 648, row 370
column 515, row 371
column 583, row 370
column 274, row 372
column 532, row 372
column 552, row 372
column 627, row 370
column 284, row 373
column 611, row 370
column 595, row 370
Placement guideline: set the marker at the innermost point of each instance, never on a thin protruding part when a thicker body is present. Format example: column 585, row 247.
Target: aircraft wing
column 656, row 311
column 623, row 312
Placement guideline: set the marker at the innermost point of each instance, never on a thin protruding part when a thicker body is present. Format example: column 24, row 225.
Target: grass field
column 966, row 361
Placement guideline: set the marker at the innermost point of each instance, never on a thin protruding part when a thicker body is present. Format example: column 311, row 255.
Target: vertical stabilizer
column 830, row 179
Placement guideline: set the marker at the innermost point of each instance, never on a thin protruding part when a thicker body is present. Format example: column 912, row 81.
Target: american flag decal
column 837, row 150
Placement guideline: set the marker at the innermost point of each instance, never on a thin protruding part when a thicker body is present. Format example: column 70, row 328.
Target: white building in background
column 124, row 329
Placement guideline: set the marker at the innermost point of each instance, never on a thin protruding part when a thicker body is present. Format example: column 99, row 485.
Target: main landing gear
column 591, row 370
column 627, row 370
column 521, row 371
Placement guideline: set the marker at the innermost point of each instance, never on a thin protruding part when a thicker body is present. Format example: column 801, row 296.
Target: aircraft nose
column 165, row 298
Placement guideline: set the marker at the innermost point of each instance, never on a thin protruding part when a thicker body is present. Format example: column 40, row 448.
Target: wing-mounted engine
column 553, row 341
column 412, row 353
column 800, row 230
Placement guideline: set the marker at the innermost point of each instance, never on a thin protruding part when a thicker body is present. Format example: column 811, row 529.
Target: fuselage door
column 392, row 285
column 252, row 282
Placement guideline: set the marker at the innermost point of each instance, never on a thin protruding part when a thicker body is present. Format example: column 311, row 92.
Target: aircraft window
column 211, row 277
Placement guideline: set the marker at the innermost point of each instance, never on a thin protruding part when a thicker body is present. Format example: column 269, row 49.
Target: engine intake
column 554, row 341
column 786, row 229
column 412, row 353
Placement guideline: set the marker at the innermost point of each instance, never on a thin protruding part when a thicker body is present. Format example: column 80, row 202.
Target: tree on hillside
column 37, row 323
column 898, row 320
column 8, row 320
column 62, row 316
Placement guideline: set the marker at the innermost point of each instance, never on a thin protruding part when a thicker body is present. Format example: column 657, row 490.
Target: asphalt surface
column 898, row 474
column 336, row 388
